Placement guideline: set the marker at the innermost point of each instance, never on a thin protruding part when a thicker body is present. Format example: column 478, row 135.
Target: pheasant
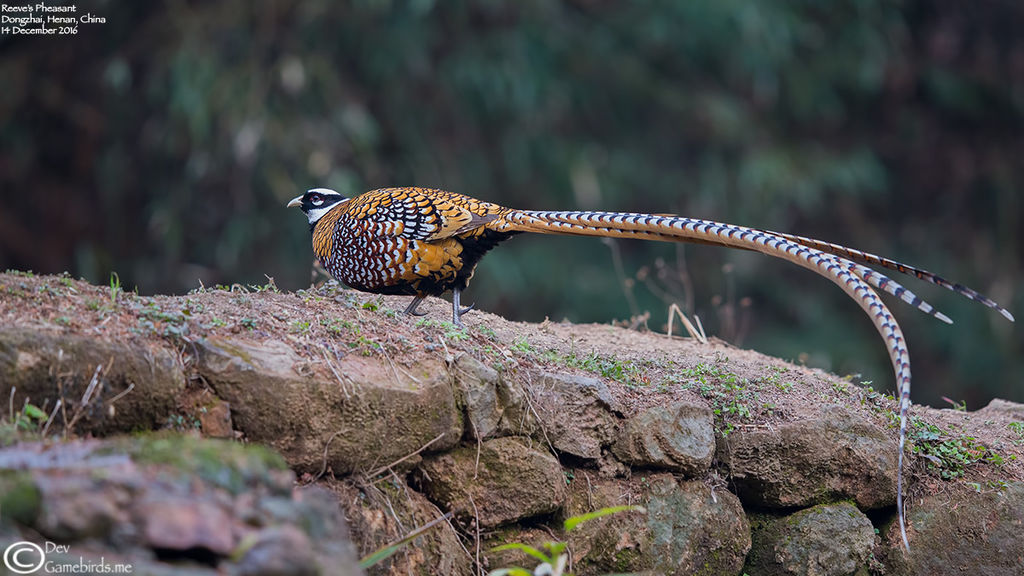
column 422, row 242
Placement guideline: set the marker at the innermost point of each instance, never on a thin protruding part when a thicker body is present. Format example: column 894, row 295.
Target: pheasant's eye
column 316, row 199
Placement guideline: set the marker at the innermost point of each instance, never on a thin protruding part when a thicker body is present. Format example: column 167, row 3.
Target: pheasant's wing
column 421, row 214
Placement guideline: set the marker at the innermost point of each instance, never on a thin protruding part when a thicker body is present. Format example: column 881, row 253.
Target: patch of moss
column 229, row 465
column 20, row 499
column 229, row 348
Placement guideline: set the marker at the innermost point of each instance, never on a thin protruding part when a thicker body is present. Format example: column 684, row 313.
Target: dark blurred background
column 164, row 143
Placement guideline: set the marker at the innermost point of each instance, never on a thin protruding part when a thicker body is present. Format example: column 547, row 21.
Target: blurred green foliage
column 164, row 144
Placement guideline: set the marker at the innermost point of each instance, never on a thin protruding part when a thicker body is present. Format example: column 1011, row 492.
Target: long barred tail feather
column 836, row 263
column 883, row 282
column 866, row 257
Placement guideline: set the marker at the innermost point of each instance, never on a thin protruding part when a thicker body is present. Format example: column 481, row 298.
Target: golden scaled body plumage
column 407, row 242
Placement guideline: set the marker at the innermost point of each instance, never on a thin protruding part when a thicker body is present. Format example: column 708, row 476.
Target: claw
column 457, row 309
column 411, row 309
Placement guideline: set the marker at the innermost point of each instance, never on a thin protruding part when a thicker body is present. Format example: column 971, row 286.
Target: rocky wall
column 509, row 443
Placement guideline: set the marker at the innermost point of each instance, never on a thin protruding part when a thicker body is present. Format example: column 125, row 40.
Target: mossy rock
column 374, row 415
column 687, row 529
column 42, row 366
column 20, row 498
column 963, row 531
column 501, row 481
column 824, row 540
column 229, row 465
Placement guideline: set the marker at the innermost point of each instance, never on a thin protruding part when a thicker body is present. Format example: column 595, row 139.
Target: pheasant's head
column 316, row 203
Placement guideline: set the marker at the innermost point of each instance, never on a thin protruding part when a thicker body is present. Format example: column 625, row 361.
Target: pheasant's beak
column 297, row 201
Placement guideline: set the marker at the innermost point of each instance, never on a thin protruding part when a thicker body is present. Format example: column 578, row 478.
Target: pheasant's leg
column 411, row 309
column 457, row 309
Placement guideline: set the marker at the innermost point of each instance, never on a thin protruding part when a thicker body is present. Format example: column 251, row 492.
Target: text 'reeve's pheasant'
column 422, row 242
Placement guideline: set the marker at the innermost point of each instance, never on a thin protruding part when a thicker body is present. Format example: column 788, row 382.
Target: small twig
column 448, row 356
column 395, row 546
column 476, row 525
column 479, row 445
column 394, row 371
column 63, row 406
column 384, row 468
column 10, row 404
column 540, row 421
column 411, row 377
column 49, row 420
column 323, row 469
column 271, row 283
column 459, row 540
column 17, row 416
column 92, row 386
column 123, row 393
column 337, row 375
column 391, row 508
column 694, row 332
column 97, row 327
column 87, row 395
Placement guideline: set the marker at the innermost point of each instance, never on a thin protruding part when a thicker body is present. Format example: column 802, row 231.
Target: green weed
column 522, row 345
column 337, row 326
column 24, row 422
column 607, row 366
column 730, row 395
column 270, row 286
column 366, row 346
column 115, row 288
column 553, row 556
column 775, row 378
column 948, row 455
column 455, row 333
column 1018, row 428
